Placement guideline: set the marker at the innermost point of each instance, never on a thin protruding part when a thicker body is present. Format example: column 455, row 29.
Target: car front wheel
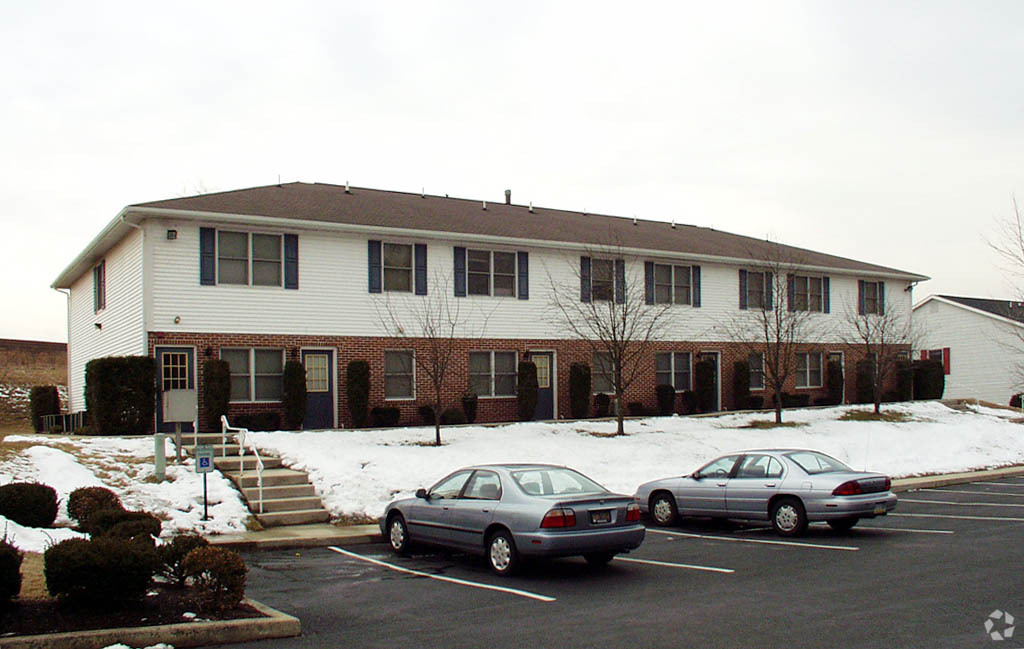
column 789, row 517
column 663, row 509
column 843, row 524
column 398, row 534
column 502, row 554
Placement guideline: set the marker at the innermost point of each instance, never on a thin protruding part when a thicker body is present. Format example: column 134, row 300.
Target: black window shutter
column 291, row 261
column 373, row 264
column 743, row 289
column 881, row 298
column 207, row 256
column 695, row 285
column 790, row 290
column 826, row 299
column 860, row 296
column 620, row 281
column 769, row 291
column 648, row 282
column 584, row 279
column 96, row 289
column 420, row 265
column 523, row 268
column 460, row 271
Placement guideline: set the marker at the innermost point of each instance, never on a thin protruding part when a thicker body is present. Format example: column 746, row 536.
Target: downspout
column 145, row 293
column 67, row 348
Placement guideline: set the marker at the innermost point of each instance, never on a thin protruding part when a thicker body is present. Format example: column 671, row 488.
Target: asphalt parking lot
column 930, row 574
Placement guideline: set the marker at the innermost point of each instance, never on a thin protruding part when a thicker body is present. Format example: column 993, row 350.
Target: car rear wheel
column 663, row 509
column 843, row 524
column 599, row 558
column 789, row 517
column 398, row 534
column 502, row 554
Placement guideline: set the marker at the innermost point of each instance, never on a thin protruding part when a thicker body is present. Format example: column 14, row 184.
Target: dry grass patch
column 33, row 583
column 871, row 415
column 763, row 424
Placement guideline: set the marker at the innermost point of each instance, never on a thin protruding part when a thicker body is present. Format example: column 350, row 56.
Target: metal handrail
column 242, row 436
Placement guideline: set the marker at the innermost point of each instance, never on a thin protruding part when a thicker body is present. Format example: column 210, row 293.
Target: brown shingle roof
column 378, row 208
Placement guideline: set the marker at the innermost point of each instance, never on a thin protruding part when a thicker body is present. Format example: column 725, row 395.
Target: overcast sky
column 889, row 132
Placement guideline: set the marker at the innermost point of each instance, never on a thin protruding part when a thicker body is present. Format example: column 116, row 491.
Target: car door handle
column 769, row 484
column 485, row 511
column 722, row 484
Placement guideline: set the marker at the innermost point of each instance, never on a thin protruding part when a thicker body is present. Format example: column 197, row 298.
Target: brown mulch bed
column 167, row 606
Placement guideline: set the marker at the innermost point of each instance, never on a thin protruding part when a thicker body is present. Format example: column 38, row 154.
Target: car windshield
column 814, row 463
column 555, row 481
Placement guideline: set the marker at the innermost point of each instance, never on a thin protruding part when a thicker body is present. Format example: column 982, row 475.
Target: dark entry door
column 713, row 357
column 545, row 384
column 319, row 388
column 175, row 369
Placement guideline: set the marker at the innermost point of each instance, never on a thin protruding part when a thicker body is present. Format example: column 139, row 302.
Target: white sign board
column 204, row 458
column 179, row 405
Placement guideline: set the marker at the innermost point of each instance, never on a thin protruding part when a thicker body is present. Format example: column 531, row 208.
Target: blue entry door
column 319, row 388
column 545, row 384
column 175, row 370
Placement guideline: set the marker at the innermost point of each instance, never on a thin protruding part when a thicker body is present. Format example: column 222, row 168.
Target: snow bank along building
column 313, row 272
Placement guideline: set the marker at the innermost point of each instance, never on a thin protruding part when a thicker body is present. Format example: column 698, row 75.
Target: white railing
column 243, row 441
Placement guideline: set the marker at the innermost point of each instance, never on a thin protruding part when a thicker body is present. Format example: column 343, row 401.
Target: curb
column 185, row 634
column 931, row 481
column 282, row 540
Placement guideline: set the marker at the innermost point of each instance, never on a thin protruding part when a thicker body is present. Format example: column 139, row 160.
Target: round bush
column 28, row 503
column 102, row 522
column 104, row 571
column 86, row 501
column 218, row 577
column 139, row 529
column 171, row 556
column 453, row 416
column 10, row 572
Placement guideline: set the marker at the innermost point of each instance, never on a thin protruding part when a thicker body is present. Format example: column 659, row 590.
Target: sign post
column 204, row 464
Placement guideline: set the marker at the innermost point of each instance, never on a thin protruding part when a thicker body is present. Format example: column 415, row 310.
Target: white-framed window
column 256, row 374
column 602, row 279
column 99, row 287
column 872, row 297
column 399, row 374
column 249, row 258
column 492, row 373
column 672, row 284
column 808, row 370
column 807, row 293
column 602, row 376
column 756, row 363
column 757, row 290
column 491, row 272
column 675, row 369
column 397, row 263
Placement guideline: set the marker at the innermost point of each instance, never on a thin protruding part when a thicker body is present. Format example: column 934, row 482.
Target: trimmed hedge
column 10, row 571
column 453, row 416
column 104, row 522
column 834, row 383
column 602, row 402
column 385, row 417
column 579, row 390
column 101, row 572
column 526, row 391
column 43, row 400
column 426, row 413
column 269, row 420
column 469, row 406
column 171, row 556
column 218, row 577
column 666, row 399
column 29, row 503
column 86, row 501
column 293, row 396
column 741, row 385
column 1015, row 401
column 120, row 394
column 929, row 379
column 688, row 402
column 216, row 391
column 864, row 387
column 357, row 392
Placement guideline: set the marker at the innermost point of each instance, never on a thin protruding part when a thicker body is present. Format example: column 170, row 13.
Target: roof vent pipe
column 673, row 224
column 634, row 220
column 423, row 192
column 348, row 190
column 508, row 197
column 485, row 205
column 531, row 207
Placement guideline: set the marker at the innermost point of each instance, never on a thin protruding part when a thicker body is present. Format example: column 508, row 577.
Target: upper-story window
column 755, row 290
column 602, row 280
column 870, row 297
column 398, row 267
column 671, row 284
column 99, row 287
column 808, row 293
column 248, row 258
column 491, row 273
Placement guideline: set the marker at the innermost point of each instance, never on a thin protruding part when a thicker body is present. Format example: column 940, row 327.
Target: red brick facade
column 349, row 348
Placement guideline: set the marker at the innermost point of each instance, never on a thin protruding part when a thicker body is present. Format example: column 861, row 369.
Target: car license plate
column 601, row 516
column 879, row 510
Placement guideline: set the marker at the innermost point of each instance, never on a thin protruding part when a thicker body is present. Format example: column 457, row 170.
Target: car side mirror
column 422, row 493
column 696, row 475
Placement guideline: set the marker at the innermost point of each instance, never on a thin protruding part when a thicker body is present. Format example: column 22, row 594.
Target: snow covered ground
column 358, row 471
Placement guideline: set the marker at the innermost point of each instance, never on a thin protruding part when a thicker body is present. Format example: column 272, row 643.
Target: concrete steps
column 288, row 496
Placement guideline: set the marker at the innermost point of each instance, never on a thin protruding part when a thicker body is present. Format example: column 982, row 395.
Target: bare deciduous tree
column 607, row 309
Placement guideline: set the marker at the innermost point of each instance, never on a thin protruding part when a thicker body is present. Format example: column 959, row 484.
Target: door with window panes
column 545, row 384
column 175, row 367
column 319, row 388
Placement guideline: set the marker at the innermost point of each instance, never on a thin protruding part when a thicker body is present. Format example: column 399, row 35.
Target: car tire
column 843, row 524
column 663, row 509
column 398, row 535
column 789, row 517
column 502, row 555
column 599, row 558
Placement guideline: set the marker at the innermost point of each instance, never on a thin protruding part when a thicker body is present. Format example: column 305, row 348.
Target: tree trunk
column 437, row 422
column 778, row 406
column 618, row 415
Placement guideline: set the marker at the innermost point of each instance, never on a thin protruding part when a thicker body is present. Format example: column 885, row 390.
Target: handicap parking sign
column 204, row 458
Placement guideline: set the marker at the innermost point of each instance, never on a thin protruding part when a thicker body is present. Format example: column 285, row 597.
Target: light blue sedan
column 508, row 512
column 789, row 487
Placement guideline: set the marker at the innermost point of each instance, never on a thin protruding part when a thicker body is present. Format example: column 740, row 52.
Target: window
column 814, row 463
column 256, row 374
column 99, row 287
column 234, row 251
column 935, row 355
column 492, row 374
column 757, row 290
column 756, row 363
column 398, row 267
column 807, row 293
column 603, row 279
column 399, row 380
column 759, row 466
column 484, row 485
column 719, row 468
column 672, row 284
column 602, row 374
column 173, row 371
column 318, row 372
column 808, row 370
column 673, row 368
column 450, row 487
column 491, row 273
column 871, row 297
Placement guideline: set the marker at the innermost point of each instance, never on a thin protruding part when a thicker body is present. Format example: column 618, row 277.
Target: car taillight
column 561, row 517
column 632, row 513
column 851, row 488
column 888, row 483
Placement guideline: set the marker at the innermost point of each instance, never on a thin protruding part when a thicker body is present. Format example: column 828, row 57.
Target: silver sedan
column 789, row 487
column 511, row 511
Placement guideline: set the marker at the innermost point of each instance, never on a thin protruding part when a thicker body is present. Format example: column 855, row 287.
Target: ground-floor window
column 602, row 377
column 492, row 374
column 399, row 378
column 756, row 363
column 673, row 368
column 808, row 370
column 256, row 374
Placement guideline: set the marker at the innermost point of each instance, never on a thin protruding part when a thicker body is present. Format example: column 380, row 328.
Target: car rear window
column 814, row 463
column 555, row 482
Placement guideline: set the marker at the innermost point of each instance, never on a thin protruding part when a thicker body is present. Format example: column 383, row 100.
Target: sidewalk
column 323, row 534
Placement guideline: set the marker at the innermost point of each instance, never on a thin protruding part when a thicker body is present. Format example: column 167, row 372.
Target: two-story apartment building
column 310, row 272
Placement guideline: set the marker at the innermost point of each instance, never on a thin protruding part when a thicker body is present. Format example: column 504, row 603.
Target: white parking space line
column 953, row 502
column 1003, row 484
column 450, row 580
column 1018, row 494
column 816, row 546
column 668, row 564
column 959, row 517
column 906, row 529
